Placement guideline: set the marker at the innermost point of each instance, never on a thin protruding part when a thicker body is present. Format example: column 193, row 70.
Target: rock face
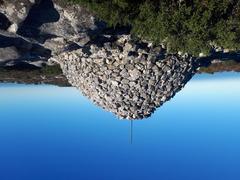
column 128, row 79
column 34, row 30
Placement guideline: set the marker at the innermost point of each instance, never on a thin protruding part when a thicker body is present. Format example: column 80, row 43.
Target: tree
column 191, row 26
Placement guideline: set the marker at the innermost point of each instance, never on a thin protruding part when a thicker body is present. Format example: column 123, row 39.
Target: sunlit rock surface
column 31, row 31
column 128, row 79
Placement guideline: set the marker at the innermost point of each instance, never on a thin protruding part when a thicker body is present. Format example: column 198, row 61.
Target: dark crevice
column 103, row 29
column 72, row 47
column 4, row 22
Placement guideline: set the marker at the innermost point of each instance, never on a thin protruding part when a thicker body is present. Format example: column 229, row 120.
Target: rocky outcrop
column 126, row 78
column 34, row 30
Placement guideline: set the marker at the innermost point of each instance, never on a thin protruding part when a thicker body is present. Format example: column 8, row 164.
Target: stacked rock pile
column 129, row 79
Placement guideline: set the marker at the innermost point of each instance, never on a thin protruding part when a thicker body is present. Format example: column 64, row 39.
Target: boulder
column 51, row 25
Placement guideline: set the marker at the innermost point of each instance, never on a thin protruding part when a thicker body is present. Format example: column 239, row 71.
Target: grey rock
column 115, row 83
column 44, row 25
column 125, row 89
column 135, row 74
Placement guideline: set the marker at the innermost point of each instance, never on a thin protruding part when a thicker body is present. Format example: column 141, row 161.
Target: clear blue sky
column 49, row 132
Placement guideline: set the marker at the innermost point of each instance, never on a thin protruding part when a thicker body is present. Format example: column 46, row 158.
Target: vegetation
column 46, row 75
column 224, row 66
column 51, row 70
column 191, row 26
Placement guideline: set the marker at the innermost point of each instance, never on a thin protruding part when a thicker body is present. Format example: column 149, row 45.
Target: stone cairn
column 127, row 78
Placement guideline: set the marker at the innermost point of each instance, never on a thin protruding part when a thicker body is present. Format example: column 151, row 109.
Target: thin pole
column 131, row 132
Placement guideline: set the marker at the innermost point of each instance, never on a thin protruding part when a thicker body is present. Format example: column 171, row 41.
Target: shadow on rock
column 4, row 22
column 41, row 13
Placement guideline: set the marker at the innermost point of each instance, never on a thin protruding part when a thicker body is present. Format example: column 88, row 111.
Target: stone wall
column 127, row 78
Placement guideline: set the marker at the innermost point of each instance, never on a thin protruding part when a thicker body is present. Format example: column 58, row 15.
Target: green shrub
column 51, row 70
column 190, row 26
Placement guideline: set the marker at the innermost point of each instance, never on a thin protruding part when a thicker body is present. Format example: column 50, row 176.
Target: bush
column 188, row 26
